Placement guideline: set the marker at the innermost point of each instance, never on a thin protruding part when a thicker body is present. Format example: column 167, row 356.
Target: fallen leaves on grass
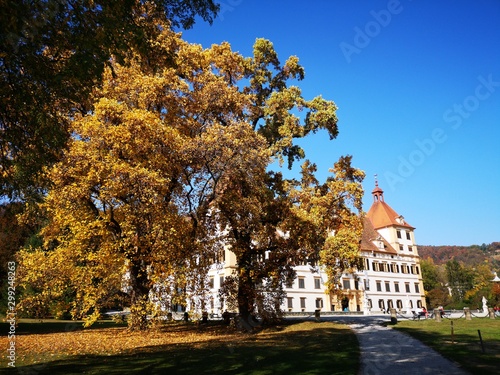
column 35, row 348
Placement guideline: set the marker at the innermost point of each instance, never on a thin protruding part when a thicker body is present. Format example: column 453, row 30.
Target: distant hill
column 470, row 255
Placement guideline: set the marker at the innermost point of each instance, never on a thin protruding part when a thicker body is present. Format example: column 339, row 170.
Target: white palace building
column 391, row 276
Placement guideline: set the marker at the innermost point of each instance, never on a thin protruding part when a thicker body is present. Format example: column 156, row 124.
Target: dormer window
column 380, row 243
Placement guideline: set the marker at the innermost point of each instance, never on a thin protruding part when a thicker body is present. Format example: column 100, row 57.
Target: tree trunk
column 246, row 293
column 140, row 305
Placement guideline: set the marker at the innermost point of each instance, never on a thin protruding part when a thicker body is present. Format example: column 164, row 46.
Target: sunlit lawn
column 299, row 348
column 464, row 346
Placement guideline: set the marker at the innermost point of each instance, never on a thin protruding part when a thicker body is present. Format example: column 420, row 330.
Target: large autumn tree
column 52, row 53
column 172, row 163
column 130, row 201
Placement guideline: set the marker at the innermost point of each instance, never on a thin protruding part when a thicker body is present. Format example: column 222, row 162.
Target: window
column 408, row 236
column 381, row 304
column 396, row 287
column 367, row 263
column 302, row 283
column 407, row 287
column 398, row 232
column 346, row 284
column 399, row 304
column 220, row 256
column 417, row 288
column 387, row 286
column 319, row 303
column 417, row 270
column 379, row 286
column 419, row 304
column 317, row 283
column 367, row 284
column 401, row 248
column 289, row 283
column 410, row 248
column 211, row 283
column 289, row 303
column 221, row 281
column 303, row 303
column 356, row 284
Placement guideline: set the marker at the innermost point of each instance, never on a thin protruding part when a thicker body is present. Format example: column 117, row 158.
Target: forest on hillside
column 470, row 255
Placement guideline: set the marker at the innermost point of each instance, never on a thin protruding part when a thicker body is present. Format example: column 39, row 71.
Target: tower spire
column 378, row 193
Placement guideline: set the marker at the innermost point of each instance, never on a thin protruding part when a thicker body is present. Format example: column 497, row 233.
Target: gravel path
column 386, row 351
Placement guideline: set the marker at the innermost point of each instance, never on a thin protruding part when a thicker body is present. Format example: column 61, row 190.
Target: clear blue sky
column 417, row 84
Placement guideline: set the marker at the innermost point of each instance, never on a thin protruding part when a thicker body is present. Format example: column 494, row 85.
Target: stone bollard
column 437, row 315
column 394, row 317
column 468, row 315
column 317, row 315
column 491, row 312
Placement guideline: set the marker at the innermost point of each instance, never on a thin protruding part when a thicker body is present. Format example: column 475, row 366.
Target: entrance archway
column 345, row 304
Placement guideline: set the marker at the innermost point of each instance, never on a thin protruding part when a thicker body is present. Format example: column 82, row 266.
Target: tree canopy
column 170, row 165
column 52, row 54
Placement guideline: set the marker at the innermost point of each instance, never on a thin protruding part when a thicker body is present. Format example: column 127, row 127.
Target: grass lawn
column 178, row 348
column 464, row 347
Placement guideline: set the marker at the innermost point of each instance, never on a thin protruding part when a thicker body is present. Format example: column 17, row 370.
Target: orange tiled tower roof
column 381, row 214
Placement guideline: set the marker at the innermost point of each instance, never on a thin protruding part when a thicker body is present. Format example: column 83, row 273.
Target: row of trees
column 168, row 160
column 456, row 285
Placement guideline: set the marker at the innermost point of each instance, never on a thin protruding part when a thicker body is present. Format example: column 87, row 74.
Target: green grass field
column 464, row 345
column 299, row 348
